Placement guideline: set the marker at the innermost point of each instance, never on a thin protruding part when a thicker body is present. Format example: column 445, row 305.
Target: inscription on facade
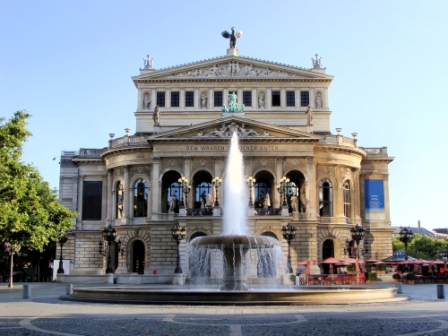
column 226, row 148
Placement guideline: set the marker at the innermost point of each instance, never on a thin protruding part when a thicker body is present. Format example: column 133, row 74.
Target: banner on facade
column 374, row 199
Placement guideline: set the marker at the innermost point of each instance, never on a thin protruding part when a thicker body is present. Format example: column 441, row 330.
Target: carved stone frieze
column 295, row 164
column 267, row 163
column 324, row 171
column 202, row 163
column 235, row 69
column 140, row 170
column 174, row 163
column 228, row 130
column 118, row 173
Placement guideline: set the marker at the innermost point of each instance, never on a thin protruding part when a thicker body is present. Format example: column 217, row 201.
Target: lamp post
column 357, row 233
column 109, row 235
column 406, row 235
column 444, row 256
column 186, row 188
column 250, row 182
column 289, row 233
column 62, row 240
column 216, row 182
column 178, row 233
column 281, row 187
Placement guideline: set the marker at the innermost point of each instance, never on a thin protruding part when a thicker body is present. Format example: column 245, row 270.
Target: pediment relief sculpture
column 228, row 130
column 235, row 69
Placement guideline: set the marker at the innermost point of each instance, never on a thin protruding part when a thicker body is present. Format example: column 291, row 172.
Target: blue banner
column 374, row 199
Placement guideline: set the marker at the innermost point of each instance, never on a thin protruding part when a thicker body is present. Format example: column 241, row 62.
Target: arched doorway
column 202, row 188
column 138, row 257
column 327, row 252
column 294, row 187
column 170, row 186
column 262, row 190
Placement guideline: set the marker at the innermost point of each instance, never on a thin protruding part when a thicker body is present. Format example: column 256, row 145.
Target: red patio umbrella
column 438, row 262
column 371, row 260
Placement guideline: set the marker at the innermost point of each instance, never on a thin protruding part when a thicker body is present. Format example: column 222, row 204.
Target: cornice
column 227, row 139
column 232, row 79
column 345, row 149
column 124, row 149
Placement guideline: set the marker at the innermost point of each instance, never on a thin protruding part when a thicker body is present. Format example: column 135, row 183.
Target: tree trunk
column 11, row 273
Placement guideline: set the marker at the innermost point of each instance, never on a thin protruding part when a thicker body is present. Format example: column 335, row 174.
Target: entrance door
column 138, row 257
column 327, row 252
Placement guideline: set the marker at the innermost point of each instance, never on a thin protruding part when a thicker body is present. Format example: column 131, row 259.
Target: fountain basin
column 303, row 296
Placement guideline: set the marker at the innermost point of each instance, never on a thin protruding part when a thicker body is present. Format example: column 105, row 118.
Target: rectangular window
column 247, row 98
column 91, row 200
column 189, row 98
column 175, row 99
column 275, row 98
column 217, row 95
column 290, row 98
column 161, row 99
column 304, row 98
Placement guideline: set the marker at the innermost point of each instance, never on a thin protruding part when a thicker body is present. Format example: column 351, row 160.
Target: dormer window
column 275, row 98
column 189, row 98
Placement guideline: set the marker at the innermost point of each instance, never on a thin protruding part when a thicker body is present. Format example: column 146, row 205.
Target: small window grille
column 290, row 98
column 175, row 99
column 189, row 98
column 247, row 98
column 161, row 99
column 275, row 98
column 304, row 98
column 217, row 95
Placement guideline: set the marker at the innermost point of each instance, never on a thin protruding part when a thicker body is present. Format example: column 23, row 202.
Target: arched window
column 325, row 198
column 203, row 189
column 347, row 202
column 175, row 189
column 119, row 195
column 140, row 198
column 261, row 188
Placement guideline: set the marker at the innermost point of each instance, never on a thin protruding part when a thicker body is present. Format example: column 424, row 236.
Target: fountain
column 234, row 242
column 240, row 252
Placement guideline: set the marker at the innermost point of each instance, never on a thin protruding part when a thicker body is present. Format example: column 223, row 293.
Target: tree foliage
column 422, row 247
column 30, row 215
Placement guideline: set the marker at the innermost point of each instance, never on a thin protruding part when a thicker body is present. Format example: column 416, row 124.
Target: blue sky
column 69, row 64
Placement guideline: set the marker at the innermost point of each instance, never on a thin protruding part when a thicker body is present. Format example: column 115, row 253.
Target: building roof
column 417, row 230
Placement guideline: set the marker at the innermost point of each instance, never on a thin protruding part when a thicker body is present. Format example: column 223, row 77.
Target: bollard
column 69, row 289
column 440, row 292
column 26, row 291
column 399, row 290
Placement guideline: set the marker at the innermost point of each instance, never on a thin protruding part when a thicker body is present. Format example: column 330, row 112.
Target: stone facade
column 128, row 183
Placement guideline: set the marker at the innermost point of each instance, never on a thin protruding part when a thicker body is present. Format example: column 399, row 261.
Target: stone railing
column 338, row 140
column 375, row 151
column 90, row 152
column 207, row 211
column 267, row 212
column 136, row 140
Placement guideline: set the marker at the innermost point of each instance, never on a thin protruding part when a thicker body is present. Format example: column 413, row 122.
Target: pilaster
column 155, row 186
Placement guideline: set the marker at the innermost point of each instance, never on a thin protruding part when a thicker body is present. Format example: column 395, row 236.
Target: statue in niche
column 156, row 115
column 147, row 63
column 146, row 102
column 204, row 101
column 302, row 198
column 203, row 200
column 309, row 113
column 294, row 203
column 261, row 100
column 173, row 202
column 267, row 201
column 319, row 101
column 232, row 36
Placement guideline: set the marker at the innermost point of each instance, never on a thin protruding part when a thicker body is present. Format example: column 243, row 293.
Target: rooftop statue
column 147, row 64
column 317, row 63
column 232, row 36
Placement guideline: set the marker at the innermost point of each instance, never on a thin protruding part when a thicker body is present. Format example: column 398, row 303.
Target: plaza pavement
column 45, row 314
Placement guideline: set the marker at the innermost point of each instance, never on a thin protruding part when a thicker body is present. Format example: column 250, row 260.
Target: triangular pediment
column 232, row 67
column 224, row 128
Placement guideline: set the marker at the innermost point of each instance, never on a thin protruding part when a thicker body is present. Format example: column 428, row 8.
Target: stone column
column 362, row 203
column 240, row 96
column 278, row 176
column 182, row 98
column 356, row 198
column 338, row 205
column 80, row 194
column 297, row 93
column 110, row 196
column 153, row 99
column 325, row 98
column 75, row 198
column 225, row 100
column 167, row 99
column 254, row 99
column 196, row 99
column 283, row 98
column 130, row 198
column 155, row 187
column 125, row 217
column 386, row 199
column 311, row 193
column 268, row 99
column 104, row 197
column 140, row 100
column 312, row 100
column 210, row 99
column 187, row 172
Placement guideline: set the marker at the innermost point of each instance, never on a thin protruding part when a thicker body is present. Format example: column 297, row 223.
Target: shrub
column 292, row 277
column 410, row 276
column 371, row 276
column 396, row 276
column 351, row 268
column 380, row 267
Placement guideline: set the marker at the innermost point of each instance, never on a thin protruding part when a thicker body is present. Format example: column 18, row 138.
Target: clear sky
column 69, row 64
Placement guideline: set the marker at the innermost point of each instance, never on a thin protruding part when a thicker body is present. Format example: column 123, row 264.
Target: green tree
column 422, row 247
column 30, row 215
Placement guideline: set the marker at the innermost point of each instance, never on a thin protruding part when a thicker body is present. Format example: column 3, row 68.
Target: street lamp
column 178, row 233
column 216, row 182
column 281, row 187
column 250, row 182
column 62, row 240
column 406, row 235
column 109, row 235
column 186, row 188
column 357, row 233
column 289, row 233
